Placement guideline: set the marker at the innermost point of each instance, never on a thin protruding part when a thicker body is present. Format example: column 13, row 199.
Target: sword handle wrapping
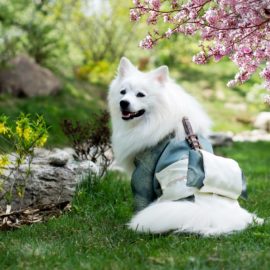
column 191, row 137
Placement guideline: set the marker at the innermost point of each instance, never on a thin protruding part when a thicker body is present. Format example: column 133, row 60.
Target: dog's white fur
column 165, row 103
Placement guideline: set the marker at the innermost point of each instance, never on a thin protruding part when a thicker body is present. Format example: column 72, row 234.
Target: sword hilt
column 191, row 137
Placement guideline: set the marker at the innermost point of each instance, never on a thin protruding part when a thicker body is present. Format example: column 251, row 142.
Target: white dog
column 146, row 111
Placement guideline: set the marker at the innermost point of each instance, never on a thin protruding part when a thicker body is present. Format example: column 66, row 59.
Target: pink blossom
column 166, row 18
column 266, row 73
column 179, row 16
column 236, row 29
column 147, row 43
column 200, row 58
column 242, row 76
column 136, row 2
column 211, row 16
column 218, row 52
column 246, row 50
column 169, row 32
column 155, row 4
column 231, row 83
column 192, row 14
column 174, row 4
column 152, row 18
column 134, row 15
column 199, row 2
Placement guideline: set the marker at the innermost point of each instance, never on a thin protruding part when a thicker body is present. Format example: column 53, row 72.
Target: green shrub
column 23, row 138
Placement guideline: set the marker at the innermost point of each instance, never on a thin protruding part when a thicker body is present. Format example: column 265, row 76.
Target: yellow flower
column 19, row 131
column 27, row 134
column 4, row 161
column 42, row 140
column 3, row 128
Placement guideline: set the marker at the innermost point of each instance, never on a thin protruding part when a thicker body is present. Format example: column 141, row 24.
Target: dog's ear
column 125, row 66
column 161, row 74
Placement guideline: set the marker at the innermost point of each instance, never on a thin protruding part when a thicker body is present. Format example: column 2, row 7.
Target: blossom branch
column 237, row 29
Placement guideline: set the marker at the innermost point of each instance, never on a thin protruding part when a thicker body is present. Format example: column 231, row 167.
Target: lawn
column 94, row 236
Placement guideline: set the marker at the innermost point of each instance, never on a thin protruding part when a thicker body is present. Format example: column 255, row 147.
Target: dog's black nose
column 124, row 104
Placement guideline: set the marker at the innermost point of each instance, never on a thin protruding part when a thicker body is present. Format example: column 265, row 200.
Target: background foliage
column 82, row 41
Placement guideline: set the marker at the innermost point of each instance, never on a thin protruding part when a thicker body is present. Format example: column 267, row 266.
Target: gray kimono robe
column 144, row 184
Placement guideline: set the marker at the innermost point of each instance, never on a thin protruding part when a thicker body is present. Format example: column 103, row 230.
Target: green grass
column 94, row 235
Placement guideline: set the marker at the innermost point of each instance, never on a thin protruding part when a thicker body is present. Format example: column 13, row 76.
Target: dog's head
column 134, row 94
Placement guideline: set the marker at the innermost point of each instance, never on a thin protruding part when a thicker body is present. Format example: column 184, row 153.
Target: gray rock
column 252, row 136
column 59, row 158
column 221, row 139
column 240, row 107
column 24, row 77
column 220, row 95
column 262, row 121
column 54, row 177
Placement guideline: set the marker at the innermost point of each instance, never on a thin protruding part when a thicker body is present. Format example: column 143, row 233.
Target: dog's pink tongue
column 126, row 113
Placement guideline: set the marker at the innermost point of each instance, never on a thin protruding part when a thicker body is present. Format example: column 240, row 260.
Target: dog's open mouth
column 127, row 115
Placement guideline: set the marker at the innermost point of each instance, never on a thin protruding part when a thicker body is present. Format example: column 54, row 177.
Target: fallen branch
column 16, row 219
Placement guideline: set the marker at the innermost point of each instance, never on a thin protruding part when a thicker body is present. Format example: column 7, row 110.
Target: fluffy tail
column 208, row 215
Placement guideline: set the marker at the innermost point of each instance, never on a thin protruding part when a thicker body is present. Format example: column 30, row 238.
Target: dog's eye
column 140, row 94
column 123, row 92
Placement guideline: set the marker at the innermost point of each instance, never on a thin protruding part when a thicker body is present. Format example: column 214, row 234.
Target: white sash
column 223, row 176
column 173, row 181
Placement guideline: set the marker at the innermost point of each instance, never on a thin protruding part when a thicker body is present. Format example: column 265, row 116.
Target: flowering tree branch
column 238, row 29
